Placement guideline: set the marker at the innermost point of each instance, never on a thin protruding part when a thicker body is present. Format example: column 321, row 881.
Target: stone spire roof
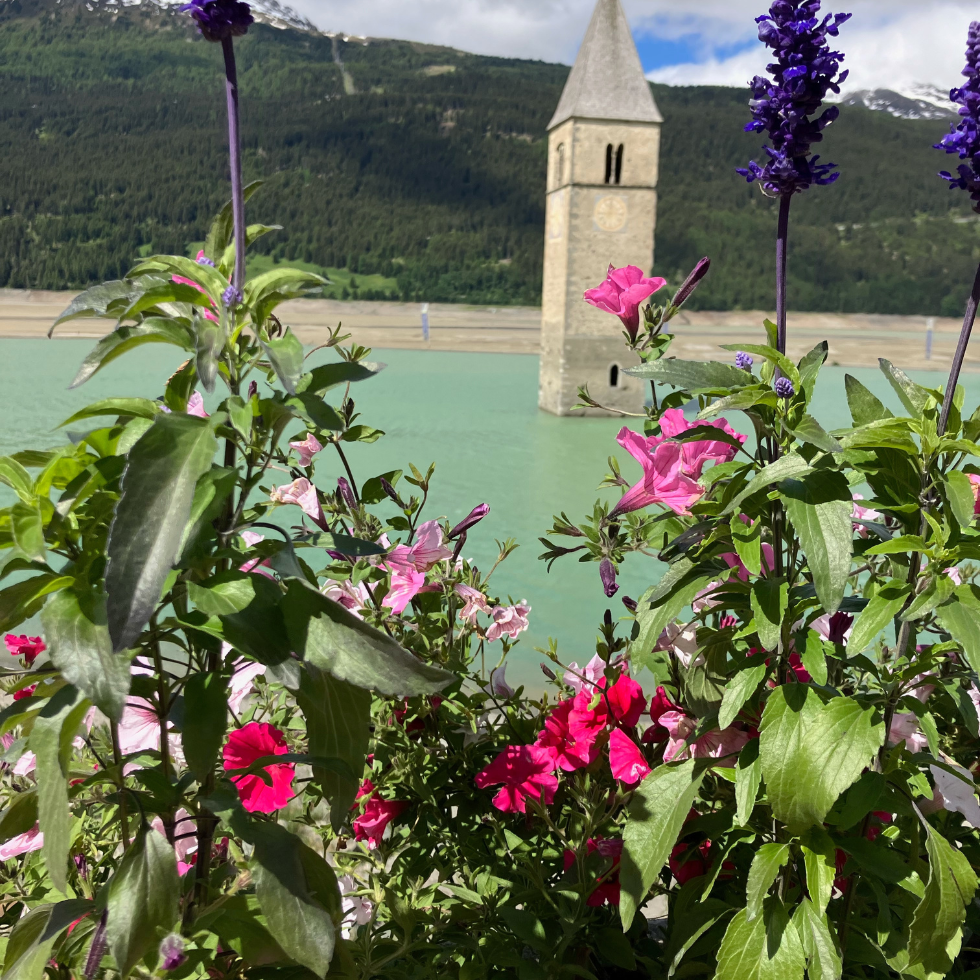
column 607, row 81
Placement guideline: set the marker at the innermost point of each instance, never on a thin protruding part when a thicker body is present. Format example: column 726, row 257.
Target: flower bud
column 253, row 389
column 548, row 672
column 172, row 953
column 346, row 493
column 692, row 282
column 232, row 297
column 743, row 361
column 784, row 388
column 390, row 490
column 607, row 573
column 630, row 603
column 475, row 516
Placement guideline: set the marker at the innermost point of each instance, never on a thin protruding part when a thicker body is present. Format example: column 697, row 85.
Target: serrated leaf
column 811, row 752
column 884, row 606
column 770, row 601
column 823, row 959
column 810, row 430
column 820, row 865
column 147, row 530
column 96, row 300
column 790, row 466
column 738, row 690
column 657, row 812
column 766, row 864
column 959, row 492
column 285, row 354
column 765, row 948
column 813, row 657
column 865, row 406
column 914, row 397
column 693, row 376
column 153, row 330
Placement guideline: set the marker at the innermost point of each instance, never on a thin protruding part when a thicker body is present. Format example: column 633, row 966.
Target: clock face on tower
column 611, row 213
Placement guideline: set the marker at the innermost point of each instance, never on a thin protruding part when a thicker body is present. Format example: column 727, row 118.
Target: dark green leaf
column 864, row 406
column 20, row 816
column 914, row 397
column 770, row 601
column 748, row 544
column 209, row 345
column 23, row 600
column 223, row 226
column 748, row 778
column 787, row 467
column 154, row 330
column 326, row 376
column 96, row 300
column 76, row 631
column 264, row 293
column 313, row 409
column 210, row 494
column 286, row 357
column 144, row 541
column 693, row 376
column 888, row 433
column 345, row 545
column 811, row 431
column 205, row 721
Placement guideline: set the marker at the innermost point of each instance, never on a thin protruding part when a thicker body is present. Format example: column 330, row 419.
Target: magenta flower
column 306, row 449
column 474, row 517
column 570, row 752
column 28, row 647
column 622, row 293
column 664, row 481
column 509, row 621
column 303, row 494
column 625, row 759
column 525, row 771
column 371, row 825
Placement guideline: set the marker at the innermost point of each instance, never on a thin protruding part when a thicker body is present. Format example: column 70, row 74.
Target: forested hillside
column 423, row 169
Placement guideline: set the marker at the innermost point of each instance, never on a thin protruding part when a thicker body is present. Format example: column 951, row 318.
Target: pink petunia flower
column 243, row 683
column 905, row 727
column 307, row 449
column 698, row 454
column 664, row 480
column 734, row 562
column 509, row 621
column 576, row 678
column 622, row 293
column 682, row 641
column 713, row 745
column 660, row 704
column 195, row 406
column 28, row 647
column 569, row 752
column 498, row 683
column 427, row 549
column 139, row 727
column 476, row 602
column 625, row 759
column 352, row 597
column 525, row 771
column 371, row 825
column 859, row 513
column 244, row 747
column 406, row 584
column 834, row 629
column 303, row 494
column 30, row 840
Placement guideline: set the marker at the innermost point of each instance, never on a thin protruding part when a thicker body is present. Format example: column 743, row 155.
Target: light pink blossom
column 682, row 641
column 905, row 726
column 195, row 406
column 139, row 727
column 622, row 293
column 352, row 597
column 590, row 674
column 860, row 513
column 242, row 683
column 406, row 584
column 476, row 602
column 958, row 793
column 427, row 550
column 975, row 486
column 31, row 840
column 185, row 840
column 303, row 494
column 26, row 764
column 664, row 480
column 713, row 745
column 307, row 449
column 498, row 683
column 357, row 910
column 509, row 621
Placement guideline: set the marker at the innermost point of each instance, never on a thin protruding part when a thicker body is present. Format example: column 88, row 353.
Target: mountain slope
column 426, row 168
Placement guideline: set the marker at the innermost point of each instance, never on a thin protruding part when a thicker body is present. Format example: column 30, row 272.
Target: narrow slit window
column 619, row 164
column 614, row 376
column 560, row 165
column 609, row 163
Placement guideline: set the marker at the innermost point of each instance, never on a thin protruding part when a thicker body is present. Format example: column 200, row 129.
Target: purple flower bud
column 475, row 516
column 743, row 361
column 607, row 572
column 253, row 389
column 390, row 491
column 692, row 282
column 172, row 953
column 630, row 603
column 348, row 495
column 548, row 672
column 784, row 388
column 81, row 865
column 231, row 297
column 220, row 19
column 202, row 259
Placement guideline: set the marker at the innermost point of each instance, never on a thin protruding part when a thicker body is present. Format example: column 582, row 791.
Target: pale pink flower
column 195, row 406
column 307, row 449
column 427, row 550
column 357, row 910
column 974, row 693
column 498, row 683
column 476, row 602
column 303, row 494
column 406, row 584
column 509, row 621
column 682, row 641
column 352, row 597
column 26, row 764
column 664, row 480
column 622, row 293
column 713, row 745
column 185, row 840
column 590, row 674
column 975, row 486
column 834, row 629
column 256, row 564
column 860, row 513
column 905, row 726
column 704, row 599
column 954, row 574
column 139, row 727
column 734, row 562
column 242, row 683
column 957, row 794
column 679, row 727
column 31, row 840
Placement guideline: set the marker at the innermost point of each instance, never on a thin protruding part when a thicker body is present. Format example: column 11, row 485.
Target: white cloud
column 889, row 43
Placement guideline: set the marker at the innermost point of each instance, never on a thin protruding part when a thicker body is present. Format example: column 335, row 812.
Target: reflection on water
column 476, row 417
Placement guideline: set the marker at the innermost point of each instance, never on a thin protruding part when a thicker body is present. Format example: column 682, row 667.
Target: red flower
column 373, row 822
column 28, row 647
column 24, row 692
column 625, row 759
column 802, row 674
column 246, row 746
column 659, row 705
column 569, row 753
column 607, row 888
column 524, row 770
column 687, row 862
column 623, row 703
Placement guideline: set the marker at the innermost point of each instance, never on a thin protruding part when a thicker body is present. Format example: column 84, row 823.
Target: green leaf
column 748, row 779
column 143, row 899
column 34, row 936
column 914, row 397
column 141, row 408
column 766, row 864
column 811, row 751
column 740, row 401
column 326, row 376
column 96, row 300
column 314, row 410
column 210, row 494
column 748, row 544
column 937, row 926
column 657, row 812
column 345, row 545
column 959, row 618
column 738, row 690
column 338, row 726
column 17, row 478
column 77, row 634
column 224, row 594
column 813, row 657
column 223, row 226
column 27, row 528
column 781, row 361
column 286, row 357
column 23, row 600
column 786, row 467
column 294, row 886
column 959, row 492
column 823, row 959
column 51, row 741
column 884, row 434
column 362, row 433
column 335, row 640
column 693, row 376
column 205, row 721
column 653, row 618
column 810, row 366
column 864, row 406
column 811, row 431
column 145, row 537
column 899, row 545
column 211, row 281
column 819, row 506
column 884, row 606
column 209, row 345
column 819, row 862
column 770, row 602
column 154, row 330
column 264, row 293
column 766, row 948
column 252, row 234
column 20, row 816
column 939, row 590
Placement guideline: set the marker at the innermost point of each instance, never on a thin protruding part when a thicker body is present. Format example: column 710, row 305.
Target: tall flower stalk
column 964, row 139
column 785, row 107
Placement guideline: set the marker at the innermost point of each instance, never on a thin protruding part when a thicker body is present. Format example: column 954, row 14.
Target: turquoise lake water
column 476, row 417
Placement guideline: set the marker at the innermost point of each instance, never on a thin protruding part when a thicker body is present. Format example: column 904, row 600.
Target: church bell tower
column 603, row 160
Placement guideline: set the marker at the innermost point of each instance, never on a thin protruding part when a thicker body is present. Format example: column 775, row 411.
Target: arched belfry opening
column 599, row 213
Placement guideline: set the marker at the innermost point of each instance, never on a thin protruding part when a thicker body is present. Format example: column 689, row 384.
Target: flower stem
column 782, row 240
column 235, row 151
column 960, row 356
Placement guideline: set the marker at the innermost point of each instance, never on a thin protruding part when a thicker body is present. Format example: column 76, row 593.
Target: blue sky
column 660, row 52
